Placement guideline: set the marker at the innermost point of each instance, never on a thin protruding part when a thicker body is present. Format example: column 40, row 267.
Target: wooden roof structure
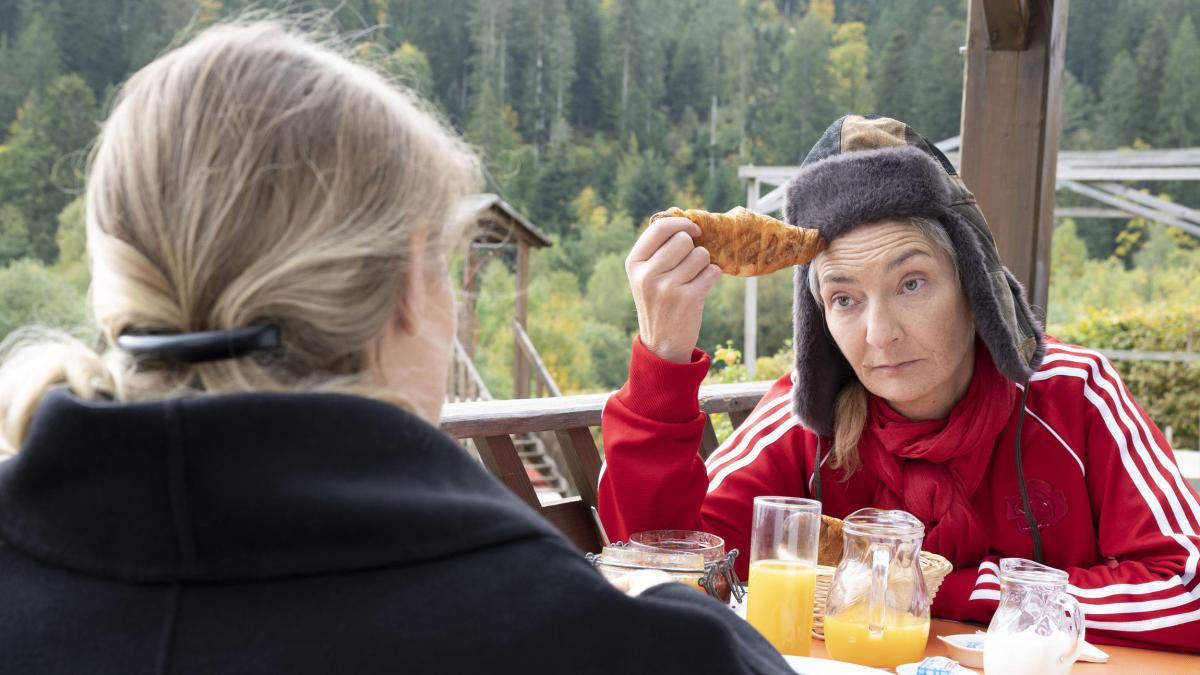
column 500, row 229
column 1097, row 175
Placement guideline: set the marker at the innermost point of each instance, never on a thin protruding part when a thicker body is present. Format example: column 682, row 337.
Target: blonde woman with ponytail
column 247, row 476
column 923, row 383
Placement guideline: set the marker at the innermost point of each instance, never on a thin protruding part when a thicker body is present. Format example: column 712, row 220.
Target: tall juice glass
column 783, row 571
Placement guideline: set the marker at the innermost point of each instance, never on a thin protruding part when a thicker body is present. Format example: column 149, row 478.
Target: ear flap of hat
column 1002, row 316
column 821, row 370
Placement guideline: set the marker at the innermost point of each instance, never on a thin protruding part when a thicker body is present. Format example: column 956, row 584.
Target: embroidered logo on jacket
column 1049, row 506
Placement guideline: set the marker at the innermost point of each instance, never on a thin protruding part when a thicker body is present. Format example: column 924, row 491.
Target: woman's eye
column 842, row 301
column 913, row 285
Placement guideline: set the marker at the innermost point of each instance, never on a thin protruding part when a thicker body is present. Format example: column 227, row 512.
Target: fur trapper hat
column 867, row 169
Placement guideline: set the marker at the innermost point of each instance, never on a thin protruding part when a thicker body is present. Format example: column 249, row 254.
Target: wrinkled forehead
column 878, row 247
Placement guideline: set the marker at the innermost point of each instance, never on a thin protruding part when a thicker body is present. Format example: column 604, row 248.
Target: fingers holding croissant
column 747, row 244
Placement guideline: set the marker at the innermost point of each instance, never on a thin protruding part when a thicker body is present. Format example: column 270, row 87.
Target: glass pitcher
column 1038, row 627
column 878, row 610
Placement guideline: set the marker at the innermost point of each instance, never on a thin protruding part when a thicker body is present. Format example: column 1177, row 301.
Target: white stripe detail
column 1145, row 624
column 1059, row 438
column 985, row 594
column 754, row 453
column 1139, row 481
column 763, row 418
column 1125, row 589
column 989, row 566
column 1092, row 608
column 987, row 579
column 1167, row 463
column 1152, row 467
column 1122, row 444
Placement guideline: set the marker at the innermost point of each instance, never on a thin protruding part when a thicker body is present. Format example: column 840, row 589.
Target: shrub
column 1168, row 392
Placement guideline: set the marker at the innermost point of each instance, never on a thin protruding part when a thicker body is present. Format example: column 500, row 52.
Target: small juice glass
column 783, row 571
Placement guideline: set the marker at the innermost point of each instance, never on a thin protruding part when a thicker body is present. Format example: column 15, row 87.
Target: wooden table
column 1123, row 660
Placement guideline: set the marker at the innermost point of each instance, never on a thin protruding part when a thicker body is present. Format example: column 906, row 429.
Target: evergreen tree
column 92, row 38
column 14, row 235
column 643, row 184
column 1178, row 121
column 938, row 87
column 1087, row 58
column 893, row 88
column 45, row 155
column 849, row 61
column 1078, row 114
column 1150, row 59
column 1118, row 120
column 803, row 107
column 30, row 64
column 588, row 111
column 445, row 32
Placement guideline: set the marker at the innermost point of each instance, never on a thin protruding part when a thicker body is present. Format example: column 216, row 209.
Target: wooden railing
column 463, row 382
column 542, row 381
column 572, row 419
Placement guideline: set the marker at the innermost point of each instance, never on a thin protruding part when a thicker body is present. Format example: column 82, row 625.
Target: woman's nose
column 883, row 328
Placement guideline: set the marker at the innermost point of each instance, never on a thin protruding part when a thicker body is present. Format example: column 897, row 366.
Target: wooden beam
column 1010, row 123
column 521, row 367
column 1137, row 209
column 750, row 308
column 493, row 418
column 1007, row 23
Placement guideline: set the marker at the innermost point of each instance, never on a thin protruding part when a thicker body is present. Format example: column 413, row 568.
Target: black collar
column 246, row 486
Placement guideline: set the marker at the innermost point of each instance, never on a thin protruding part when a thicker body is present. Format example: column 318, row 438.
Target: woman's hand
column 670, row 276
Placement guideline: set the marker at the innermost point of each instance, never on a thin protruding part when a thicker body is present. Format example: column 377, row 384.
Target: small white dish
column 966, row 648
column 911, row 669
column 1092, row 654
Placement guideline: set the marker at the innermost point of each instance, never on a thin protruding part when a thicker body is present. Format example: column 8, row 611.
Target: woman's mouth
column 896, row 367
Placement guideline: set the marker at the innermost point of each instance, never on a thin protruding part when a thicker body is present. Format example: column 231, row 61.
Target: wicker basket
column 933, row 567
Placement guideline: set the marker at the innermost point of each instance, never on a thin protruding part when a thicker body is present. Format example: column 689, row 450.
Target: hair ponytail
column 36, row 360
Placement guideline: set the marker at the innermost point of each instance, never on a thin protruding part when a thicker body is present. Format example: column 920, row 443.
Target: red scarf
column 932, row 468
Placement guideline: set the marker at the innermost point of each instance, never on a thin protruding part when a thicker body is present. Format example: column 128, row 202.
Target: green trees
column 593, row 114
column 43, row 158
column 1178, row 121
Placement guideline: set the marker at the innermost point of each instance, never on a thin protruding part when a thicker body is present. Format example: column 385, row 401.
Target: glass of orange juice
column 783, row 571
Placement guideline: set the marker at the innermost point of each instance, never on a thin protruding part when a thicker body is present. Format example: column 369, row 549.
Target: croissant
column 748, row 244
column 829, row 550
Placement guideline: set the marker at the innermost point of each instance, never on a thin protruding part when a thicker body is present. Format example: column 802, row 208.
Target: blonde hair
column 251, row 176
column 850, row 408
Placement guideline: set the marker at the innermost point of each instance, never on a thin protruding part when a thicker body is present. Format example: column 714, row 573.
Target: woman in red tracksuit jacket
column 922, row 382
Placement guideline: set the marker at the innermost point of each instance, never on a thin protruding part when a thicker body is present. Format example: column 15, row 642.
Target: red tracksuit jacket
column 1112, row 507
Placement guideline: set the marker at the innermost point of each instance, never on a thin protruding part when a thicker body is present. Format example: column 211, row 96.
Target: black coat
column 307, row 533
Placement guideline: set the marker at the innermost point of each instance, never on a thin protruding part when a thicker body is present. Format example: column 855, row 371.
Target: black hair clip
column 203, row 346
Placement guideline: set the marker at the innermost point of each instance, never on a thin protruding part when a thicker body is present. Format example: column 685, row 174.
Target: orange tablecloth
column 1124, row 659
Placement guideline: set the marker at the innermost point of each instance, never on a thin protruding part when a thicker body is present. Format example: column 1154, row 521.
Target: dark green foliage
column 624, row 106
column 1119, row 123
column 1178, row 122
column 42, row 164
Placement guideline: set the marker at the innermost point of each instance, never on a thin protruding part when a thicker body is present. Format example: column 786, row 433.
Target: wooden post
column 1010, row 124
column 466, row 301
column 521, row 369
column 750, row 315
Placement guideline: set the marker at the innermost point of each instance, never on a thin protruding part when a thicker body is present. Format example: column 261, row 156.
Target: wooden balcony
column 571, row 422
